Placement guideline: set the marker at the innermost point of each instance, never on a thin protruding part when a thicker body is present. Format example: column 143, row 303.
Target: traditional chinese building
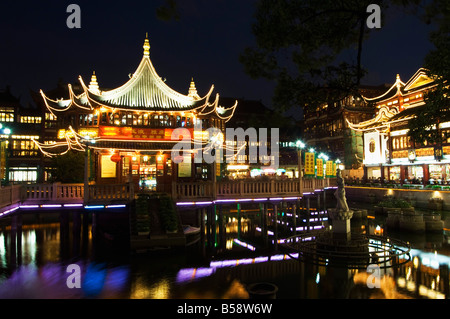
column 325, row 127
column 130, row 131
column 389, row 153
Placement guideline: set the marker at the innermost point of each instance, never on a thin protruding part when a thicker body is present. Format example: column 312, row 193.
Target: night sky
column 37, row 48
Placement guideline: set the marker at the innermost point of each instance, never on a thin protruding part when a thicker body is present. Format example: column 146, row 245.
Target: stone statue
column 340, row 193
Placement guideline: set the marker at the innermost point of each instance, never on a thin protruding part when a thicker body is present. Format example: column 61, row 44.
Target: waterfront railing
column 69, row 193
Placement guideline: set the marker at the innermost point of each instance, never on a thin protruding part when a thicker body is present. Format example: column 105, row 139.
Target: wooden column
column 275, row 214
column 426, row 174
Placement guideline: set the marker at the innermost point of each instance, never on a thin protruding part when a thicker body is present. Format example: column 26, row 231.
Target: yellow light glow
column 88, row 132
column 201, row 135
column 62, row 134
column 416, row 262
column 237, row 167
column 437, row 194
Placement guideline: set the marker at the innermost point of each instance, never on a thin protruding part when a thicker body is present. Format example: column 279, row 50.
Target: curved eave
column 381, row 120
column 228, row 113
column 63, row 105
column 368, row 127
column 144, row 90
column 391, row 92
column 98, row 100
column 220, row 112
column 80, row 101
column 56, row 105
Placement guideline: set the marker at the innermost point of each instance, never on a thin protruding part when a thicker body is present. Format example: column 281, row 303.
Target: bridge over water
column 196, row 202
column 59, row 195
column 107, row 206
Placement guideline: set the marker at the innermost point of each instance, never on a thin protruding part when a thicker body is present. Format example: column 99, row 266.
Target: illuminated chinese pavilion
column 128, row 130
column 389, row 153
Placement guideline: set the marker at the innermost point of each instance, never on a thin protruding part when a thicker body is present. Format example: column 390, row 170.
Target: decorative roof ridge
column 383, row 115
column 419, row 72
column 397, row 85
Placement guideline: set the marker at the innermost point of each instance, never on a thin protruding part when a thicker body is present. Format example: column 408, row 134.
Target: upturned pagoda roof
column 400, row 111
column 144, row 91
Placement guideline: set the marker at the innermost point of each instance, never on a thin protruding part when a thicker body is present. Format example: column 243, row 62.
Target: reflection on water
column 33, row 264
column 50, row 282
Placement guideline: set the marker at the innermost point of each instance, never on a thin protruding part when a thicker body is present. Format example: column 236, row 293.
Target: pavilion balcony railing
column 246, row 188
column 111, row 192
column 53, row 192
column 64, row 193
column 10, row 195
column 192, row 190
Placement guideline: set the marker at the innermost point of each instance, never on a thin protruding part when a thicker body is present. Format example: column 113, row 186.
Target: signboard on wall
column 3, row 160
column 319, row 162
column 108, row 167
column 309, row 164
column 329, row 169
column 184, row 168
column 127, row 132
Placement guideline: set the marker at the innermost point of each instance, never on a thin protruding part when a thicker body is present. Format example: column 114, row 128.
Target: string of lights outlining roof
column 144, row 91
column 398, row 95
column 78, row 142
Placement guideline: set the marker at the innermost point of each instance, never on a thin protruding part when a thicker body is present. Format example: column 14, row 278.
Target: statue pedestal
column 341, row 223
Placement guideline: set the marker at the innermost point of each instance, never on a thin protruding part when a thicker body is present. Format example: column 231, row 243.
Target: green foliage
column 168, row 11
column 394, row 203
column 142, row 204
column 69, row 167
column 142, row 215
column 422, row 128
column 437, row 62
column 167, row 212
column 299, row 44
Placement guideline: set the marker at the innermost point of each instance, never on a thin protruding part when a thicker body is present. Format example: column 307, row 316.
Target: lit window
column 372, row 146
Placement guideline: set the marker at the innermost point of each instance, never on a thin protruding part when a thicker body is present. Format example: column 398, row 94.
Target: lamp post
column 4, row 169
column 300, row 145
column 325, row 158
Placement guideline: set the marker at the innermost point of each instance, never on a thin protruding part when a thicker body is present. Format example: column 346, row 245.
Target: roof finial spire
column 193, row 90
column 146, row 45
column 93, row 85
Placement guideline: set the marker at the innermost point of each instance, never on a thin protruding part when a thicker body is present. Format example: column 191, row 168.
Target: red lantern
column 115, row 158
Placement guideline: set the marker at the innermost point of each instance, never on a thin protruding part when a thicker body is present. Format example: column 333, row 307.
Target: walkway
column 59, row 195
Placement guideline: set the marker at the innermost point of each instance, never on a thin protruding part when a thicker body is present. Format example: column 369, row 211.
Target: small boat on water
column 190, row 230
column 192, row 234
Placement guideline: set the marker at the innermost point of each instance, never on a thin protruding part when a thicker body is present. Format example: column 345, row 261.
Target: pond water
column 35, row 264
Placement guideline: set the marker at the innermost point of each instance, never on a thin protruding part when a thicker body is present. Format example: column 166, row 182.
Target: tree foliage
column 303, row 45
column 70, row 167
column 168, row 11
column 425, row 126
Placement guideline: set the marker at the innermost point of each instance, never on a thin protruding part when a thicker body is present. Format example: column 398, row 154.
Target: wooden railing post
column 241, row 187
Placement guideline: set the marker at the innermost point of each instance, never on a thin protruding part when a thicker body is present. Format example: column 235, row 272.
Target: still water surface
column 35, row 266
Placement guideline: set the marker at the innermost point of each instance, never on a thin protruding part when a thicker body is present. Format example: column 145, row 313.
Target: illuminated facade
column 326, row 128
column 20, row 159
column 389, row 153
column 252, row 116
column 131, row 130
